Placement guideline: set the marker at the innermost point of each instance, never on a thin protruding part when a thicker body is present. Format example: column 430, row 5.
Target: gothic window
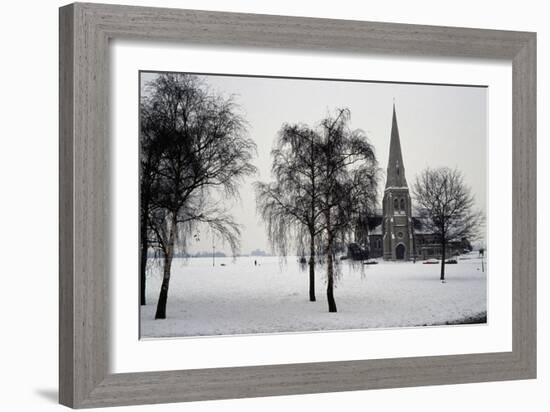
column 403, row 204
column 396, row 204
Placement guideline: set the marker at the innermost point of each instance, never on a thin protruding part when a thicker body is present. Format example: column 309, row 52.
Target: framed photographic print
column 241, row 195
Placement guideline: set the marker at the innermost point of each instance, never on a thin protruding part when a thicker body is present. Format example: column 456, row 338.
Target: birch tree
column 289, row 204
column 205, row 155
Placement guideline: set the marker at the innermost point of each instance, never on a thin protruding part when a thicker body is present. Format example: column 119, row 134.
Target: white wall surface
column 28, row 206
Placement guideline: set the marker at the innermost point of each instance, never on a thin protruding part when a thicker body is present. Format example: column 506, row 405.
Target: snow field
column 272, row 297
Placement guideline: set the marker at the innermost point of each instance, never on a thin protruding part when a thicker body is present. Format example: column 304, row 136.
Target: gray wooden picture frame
column 85, row 31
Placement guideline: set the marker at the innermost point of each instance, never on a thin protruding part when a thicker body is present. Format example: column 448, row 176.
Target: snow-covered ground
column 241, row 298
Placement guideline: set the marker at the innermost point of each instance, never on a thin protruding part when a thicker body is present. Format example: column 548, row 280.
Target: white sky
column 438, row 126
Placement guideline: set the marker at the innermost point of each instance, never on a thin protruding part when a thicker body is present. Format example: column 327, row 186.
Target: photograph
column 275, row 206
column 287, row 205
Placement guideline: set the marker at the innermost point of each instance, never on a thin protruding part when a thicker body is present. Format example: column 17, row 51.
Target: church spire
column 396, row 168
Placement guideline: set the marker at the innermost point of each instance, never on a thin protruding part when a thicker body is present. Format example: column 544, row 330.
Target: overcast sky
column 438, row 126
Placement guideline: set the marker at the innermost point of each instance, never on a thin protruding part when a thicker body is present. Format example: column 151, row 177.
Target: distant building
column 259, row 252
column 394, row 233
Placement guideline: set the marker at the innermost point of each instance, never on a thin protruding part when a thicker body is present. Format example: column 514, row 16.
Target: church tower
column 397, row 230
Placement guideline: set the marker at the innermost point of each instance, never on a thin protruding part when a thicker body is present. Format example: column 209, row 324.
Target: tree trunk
column 330, row 284
column 312, row 229
column 145, row 200
column 312, row 269
column 163, row 297
column 442, row 277
column 330, row 268
column 168, row 255
column 143, row 260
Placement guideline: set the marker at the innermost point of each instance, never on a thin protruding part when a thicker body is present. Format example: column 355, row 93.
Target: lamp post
column 213, row 252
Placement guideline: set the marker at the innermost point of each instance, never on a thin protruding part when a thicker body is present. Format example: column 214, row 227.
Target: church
column 394, row 233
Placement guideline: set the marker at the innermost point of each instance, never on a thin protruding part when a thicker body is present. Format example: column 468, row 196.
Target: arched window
column 403, row 204
column 396, row 204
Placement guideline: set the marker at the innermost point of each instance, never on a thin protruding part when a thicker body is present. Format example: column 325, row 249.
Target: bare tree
column 348, row 186
column 205, row 151
column 289, row 205
column 446, row 205
column 325, row 185
column 153, row 133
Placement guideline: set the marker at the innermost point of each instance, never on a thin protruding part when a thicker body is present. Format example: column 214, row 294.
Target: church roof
column 396, row 168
